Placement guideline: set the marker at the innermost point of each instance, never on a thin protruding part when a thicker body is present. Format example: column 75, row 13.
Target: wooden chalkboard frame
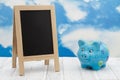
column 17, row 39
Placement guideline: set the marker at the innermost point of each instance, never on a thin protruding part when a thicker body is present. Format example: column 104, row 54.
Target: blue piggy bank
column 93, row 55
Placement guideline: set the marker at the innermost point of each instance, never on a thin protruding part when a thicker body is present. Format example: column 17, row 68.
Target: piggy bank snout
column 84, row 56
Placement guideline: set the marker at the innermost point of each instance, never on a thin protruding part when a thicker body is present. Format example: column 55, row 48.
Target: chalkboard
column 36, row 32
column 34, row 35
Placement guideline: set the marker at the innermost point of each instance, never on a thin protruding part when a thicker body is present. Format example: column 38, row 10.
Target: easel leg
column 56, row 64
column 46, row 62
column 14, row 56
column 21, row 68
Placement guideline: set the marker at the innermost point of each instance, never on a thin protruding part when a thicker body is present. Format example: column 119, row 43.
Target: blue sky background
column 76, row 19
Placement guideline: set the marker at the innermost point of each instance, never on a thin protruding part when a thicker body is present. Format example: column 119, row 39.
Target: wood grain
column 69, row 70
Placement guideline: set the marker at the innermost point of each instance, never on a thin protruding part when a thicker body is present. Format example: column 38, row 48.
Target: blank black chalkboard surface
column 34, row 35
column 36, row 32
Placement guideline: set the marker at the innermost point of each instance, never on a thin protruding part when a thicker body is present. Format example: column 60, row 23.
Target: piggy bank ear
column 80, row 42
column 97, row 45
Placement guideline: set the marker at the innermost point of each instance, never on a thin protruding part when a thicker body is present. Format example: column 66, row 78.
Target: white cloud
column 6, row 36
column 45, row 2
column 62, row 28
column 95, row 5
column 118, row 8
column 83, row 33
column 73, row 11
column 30, row 2
column 86, row 1
column 12, row 3
column 2, row 1
column 39, row 2
column 112, row 39
column 70, row 40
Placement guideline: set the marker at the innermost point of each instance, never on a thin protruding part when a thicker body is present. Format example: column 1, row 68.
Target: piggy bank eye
column 91, row 51
column 82, row 49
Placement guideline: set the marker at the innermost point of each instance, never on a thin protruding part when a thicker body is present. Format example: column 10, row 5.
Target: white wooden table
column 69, row 70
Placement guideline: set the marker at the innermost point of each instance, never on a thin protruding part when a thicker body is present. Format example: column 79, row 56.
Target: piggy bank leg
column 104, row 65
column 96, row 68
column 83, row 66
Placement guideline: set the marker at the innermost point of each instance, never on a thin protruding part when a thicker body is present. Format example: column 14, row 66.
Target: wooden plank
column 87, row 74
column 69, row 70
column 6, row 71
column 38, row 70
column 72, row 69
column 106, row 73
column 114, row 64
column 16, row 75
column 3, row 60
column 51, row 74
